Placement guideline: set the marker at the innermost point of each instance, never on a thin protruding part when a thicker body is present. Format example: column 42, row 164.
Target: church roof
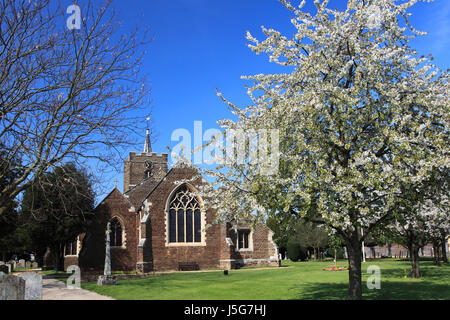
column 115, row 190
column 138, row 193
column 156, row 185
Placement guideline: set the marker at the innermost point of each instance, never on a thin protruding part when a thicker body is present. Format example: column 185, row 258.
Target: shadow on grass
column 428, row 272
column 320, row 291
column 389, row 290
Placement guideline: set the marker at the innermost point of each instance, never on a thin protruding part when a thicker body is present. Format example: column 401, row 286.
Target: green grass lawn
column 303, row 280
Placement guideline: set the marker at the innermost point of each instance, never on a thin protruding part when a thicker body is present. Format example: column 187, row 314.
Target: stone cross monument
column 107, row 278
column 107, row 271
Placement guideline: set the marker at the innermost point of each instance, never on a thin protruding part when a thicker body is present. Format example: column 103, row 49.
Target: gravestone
column 13, row 265
column 34, row 265
column 11, row 287
column 2, row 263
column 28, row 264
column 10, row 267
column 21, row 263
column 33, row 285
column 4, row 268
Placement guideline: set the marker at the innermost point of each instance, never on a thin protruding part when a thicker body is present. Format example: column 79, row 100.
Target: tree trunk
column 414, row 254
column 354, row 250
column 55, row 258
column 444, row 251
column 58, row 252
column 436, row 256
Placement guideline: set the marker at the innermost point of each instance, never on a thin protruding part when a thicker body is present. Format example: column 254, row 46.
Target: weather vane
column 147, row 120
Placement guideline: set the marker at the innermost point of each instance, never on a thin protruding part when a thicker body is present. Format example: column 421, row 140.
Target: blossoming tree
column 423, row 216
column 358, row 112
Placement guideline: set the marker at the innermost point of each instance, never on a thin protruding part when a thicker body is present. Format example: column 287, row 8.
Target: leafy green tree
column 8, row 226
column 311, row 235
column 57, row 209
column 283, row 227
column 8, row 220
column 296, row 251
column 336, row 244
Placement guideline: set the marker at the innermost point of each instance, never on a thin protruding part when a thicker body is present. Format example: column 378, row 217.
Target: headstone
column 34, row 265
column 28, row 264
column 21, row 263
column 2, row 263
column 4, row 268
column 107, row 279
column 13, row 264
column 10, row 267
column 33, row 285
column 11, row 287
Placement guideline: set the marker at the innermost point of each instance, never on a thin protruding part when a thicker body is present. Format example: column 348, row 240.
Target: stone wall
column 135, row 168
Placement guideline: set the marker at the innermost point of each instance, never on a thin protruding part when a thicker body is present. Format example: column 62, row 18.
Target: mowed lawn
column 301, row 280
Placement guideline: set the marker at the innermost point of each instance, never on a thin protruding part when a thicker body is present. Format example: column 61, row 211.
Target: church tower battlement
column 147, row 165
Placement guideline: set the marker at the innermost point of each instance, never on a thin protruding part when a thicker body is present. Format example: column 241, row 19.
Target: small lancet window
column 116, row 233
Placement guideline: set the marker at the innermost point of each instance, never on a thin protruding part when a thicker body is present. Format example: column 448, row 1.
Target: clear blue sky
column 200, row 45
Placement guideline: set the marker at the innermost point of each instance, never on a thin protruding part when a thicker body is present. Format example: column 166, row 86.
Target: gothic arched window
column 116, row 235
column 184, row 217
column 71, row 248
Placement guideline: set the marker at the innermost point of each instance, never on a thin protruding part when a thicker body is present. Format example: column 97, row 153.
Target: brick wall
column 151, row 251
column 92, row 255
column 396, row 251
column 167, row 257
column 263, row 251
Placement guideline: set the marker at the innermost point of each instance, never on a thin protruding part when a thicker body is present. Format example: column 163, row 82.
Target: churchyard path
column 53, row 289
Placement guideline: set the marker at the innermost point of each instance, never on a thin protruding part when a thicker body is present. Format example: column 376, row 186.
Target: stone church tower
column 147, row 165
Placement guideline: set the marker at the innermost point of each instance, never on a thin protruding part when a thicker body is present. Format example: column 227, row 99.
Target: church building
column 159, row 223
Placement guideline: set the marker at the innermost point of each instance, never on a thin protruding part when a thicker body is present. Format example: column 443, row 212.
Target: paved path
column 53, row 289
